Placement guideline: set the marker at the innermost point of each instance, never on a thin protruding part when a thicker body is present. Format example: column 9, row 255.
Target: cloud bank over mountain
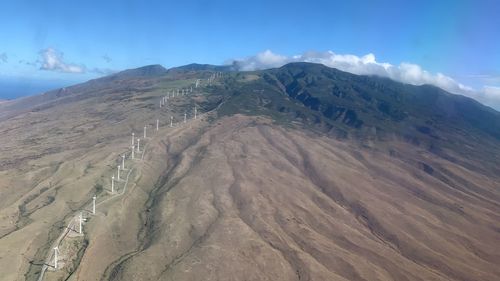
column 368, row 65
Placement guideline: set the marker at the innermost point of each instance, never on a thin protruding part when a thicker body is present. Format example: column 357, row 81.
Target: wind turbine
column 80, row 220
column 56, row 252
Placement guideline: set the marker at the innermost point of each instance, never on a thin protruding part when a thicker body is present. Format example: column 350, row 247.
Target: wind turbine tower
column 80, row 221
column 56, row 252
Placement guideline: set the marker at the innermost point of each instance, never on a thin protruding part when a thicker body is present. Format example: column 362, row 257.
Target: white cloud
column 263, row 60
column 368, row 65
column 492, row 91
column 53, row 60
column 489, row 95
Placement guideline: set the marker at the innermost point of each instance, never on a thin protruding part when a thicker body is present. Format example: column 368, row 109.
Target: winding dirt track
column 71, row 225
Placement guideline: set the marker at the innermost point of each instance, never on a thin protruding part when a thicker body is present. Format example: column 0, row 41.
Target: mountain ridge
column 153, row 70
column 368, row 108
column 406, row 99
column 295, row 173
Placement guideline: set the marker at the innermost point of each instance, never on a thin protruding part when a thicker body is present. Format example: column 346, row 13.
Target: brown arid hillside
column 246, row 191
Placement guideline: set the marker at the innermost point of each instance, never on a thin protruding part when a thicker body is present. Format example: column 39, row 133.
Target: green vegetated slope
column 366, row 108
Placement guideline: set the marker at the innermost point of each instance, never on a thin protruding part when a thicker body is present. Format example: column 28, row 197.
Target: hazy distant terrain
column 297, row 173
column 21, row 87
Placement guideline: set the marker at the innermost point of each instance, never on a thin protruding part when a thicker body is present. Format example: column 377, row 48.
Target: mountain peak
column 202, row 67
column 153, row 70
column 302, row 64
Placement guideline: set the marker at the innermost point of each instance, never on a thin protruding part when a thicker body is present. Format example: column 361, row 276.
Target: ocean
column 20, row 87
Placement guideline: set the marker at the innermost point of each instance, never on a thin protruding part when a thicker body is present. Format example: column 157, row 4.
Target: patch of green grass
column 362, row 107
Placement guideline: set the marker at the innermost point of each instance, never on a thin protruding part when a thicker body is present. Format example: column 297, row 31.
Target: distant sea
column 20, row 87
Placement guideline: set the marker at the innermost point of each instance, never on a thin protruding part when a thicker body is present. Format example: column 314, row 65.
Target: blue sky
column 460, row 39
